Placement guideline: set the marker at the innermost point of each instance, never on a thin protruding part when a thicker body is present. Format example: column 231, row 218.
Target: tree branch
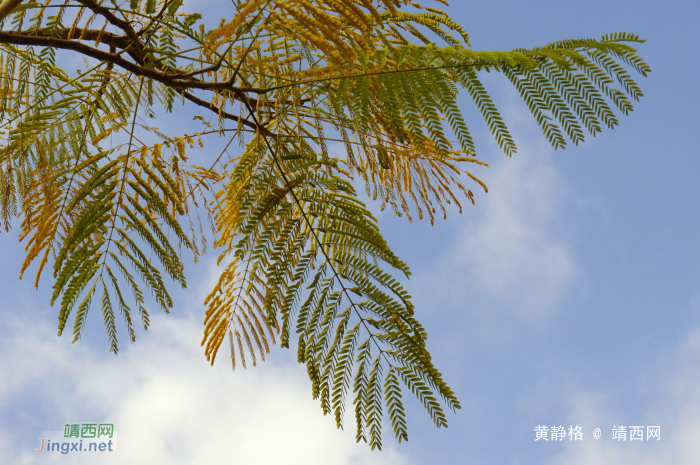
column 120, row 23
column 223, row 114
column 7, row 6
column 19, row 39
column 105, row 37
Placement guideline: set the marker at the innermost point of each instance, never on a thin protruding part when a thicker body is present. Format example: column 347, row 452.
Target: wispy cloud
column 512, row 253
column 511, row 256
column 676, row 409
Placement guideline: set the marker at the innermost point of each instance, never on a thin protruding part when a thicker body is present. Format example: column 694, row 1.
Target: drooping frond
column 310, row 258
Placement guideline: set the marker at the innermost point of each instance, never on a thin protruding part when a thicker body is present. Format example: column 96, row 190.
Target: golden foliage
column 334, row 92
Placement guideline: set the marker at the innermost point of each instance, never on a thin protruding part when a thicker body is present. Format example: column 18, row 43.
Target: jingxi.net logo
column 80, row 437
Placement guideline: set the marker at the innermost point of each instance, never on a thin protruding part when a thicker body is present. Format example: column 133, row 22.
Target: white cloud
column 512, row 253
column 512, row 257
column 168, row 405
column 676, row 410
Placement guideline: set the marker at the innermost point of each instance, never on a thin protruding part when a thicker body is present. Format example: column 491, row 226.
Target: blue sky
column 569, row 295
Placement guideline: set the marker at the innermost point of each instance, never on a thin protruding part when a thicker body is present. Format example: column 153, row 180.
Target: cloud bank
column 167, row 404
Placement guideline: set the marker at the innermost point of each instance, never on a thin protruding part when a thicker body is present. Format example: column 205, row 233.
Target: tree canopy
column 112, row 213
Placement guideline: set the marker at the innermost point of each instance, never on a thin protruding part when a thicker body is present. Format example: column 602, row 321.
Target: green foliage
column 111, row 202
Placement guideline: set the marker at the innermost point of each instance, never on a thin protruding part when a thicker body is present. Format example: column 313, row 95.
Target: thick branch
column 91, row 35
column 115, row 58
column 19, row 39
column 7, row 6
column 172, row 80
